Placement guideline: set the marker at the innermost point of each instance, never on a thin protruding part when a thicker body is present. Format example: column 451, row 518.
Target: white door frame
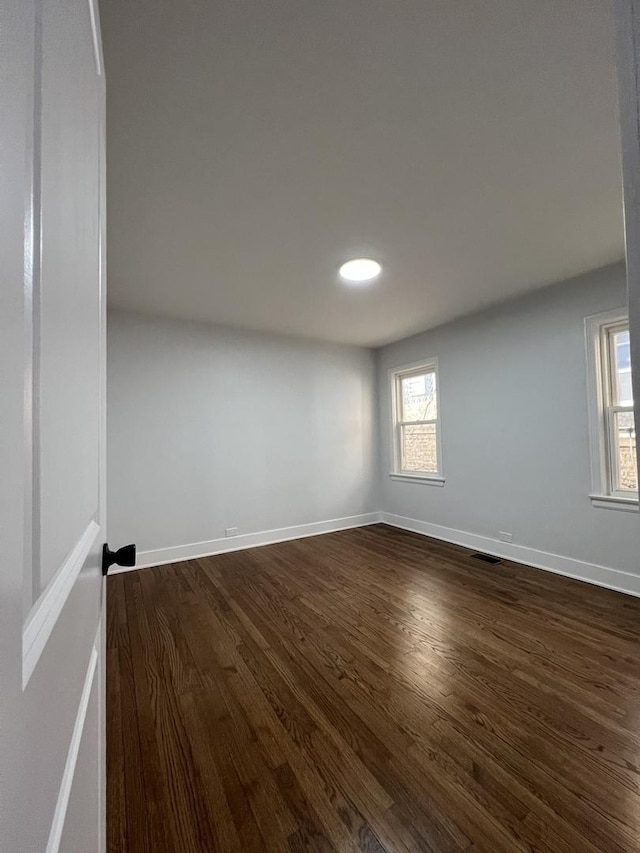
column 627, row 19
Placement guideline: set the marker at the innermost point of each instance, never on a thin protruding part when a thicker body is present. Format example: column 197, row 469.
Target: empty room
column 319, row 340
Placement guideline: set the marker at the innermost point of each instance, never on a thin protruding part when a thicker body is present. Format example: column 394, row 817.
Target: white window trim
column 432, row 479
column 601, row 495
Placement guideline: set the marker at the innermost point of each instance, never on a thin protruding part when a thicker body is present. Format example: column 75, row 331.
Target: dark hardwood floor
column 370, row 690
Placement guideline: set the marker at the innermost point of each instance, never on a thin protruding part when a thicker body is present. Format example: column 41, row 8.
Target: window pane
column 626, row 452
column 418, row 397
column 419, row 449
column 621, row 380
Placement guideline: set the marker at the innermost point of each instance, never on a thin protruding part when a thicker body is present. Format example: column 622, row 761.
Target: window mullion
column 612, row 458
column 616, row 409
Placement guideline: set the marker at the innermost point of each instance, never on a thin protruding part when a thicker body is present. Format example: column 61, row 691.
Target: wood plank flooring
column 370, row 690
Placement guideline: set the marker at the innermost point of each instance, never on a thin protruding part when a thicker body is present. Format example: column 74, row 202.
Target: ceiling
column 471, row 146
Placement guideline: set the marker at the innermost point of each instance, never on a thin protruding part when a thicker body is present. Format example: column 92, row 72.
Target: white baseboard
column 589, row 572
column 578, row 569
column 195, row 550
column 57, row 824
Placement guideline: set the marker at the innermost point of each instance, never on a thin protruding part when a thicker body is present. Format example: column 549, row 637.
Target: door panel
column 52, row 361
column 81, row 826
column 69, row 311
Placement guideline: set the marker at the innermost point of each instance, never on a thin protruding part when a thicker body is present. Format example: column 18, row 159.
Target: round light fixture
column 360, row 270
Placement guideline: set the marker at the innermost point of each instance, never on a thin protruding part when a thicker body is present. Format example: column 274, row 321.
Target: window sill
column 614, row 502
column 424, row 479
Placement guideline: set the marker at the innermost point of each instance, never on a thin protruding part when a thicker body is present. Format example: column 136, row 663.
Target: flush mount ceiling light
column 360, row 270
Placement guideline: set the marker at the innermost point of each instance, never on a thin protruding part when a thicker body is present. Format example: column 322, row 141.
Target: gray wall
column 211, row 428
column 515, row 440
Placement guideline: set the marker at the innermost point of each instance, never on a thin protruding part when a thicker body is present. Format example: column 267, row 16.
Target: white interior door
column 52, row 407
column 627, row 14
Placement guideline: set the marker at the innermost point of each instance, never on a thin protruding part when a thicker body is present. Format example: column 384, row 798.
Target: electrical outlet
column 231, row 531
column 505, row 537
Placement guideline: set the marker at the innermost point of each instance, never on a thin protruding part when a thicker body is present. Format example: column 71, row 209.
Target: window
column 416, row 424
column 613, row 436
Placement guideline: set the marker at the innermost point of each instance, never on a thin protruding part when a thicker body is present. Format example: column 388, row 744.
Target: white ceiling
column 469, row 145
